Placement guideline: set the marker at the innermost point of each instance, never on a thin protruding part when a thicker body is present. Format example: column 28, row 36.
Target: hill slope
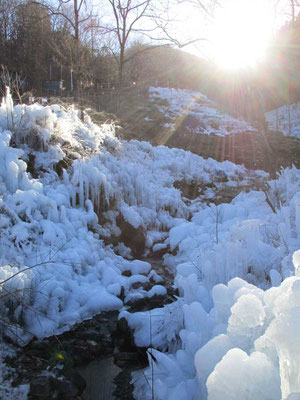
column 188, row 120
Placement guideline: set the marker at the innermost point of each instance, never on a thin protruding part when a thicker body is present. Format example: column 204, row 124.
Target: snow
column 283, row 120
column 233, row 330
column 50, row 227
column 197, row 113
column 157, row 290
column 7, row 391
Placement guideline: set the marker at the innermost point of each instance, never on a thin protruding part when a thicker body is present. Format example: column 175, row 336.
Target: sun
column 241, row 32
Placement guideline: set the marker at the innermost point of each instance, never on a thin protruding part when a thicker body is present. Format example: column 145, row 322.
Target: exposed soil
column 140, row 119
column 268, row 151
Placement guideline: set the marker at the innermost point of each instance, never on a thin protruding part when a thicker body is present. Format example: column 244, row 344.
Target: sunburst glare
column 241, row 33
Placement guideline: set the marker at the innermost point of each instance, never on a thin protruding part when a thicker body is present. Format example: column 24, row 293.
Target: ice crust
column 50, row 224
column 233, row 331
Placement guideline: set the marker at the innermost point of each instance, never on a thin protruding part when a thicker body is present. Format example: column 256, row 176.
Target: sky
column 250, row 22
column 236, row 36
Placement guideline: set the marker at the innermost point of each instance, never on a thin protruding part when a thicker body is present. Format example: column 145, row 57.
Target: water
column 99, row 376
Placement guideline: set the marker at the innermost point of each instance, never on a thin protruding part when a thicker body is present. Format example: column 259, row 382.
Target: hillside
column 190, row 121
column 197, row 258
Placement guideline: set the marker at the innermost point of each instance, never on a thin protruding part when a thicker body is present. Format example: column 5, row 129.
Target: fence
column 112, row 86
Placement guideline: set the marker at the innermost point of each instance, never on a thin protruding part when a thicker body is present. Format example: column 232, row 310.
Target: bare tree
column 126, row 14
column 294, row 5
column 207, row 7
column 127, row 18
column 79, row 15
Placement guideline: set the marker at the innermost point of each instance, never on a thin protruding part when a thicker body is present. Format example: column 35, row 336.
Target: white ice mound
column 246, row 347
column 239, row 376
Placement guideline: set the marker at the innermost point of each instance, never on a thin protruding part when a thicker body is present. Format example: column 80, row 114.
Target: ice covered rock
column 296, row 262
column 207, row 357
column 283, row 332
column 239, row 376
column 246, row 321
column 275, row 277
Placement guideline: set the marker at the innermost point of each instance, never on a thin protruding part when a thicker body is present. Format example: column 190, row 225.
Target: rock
column 112, row 326
column 191, row 122
column 189, row 190
column 60, row 166
column 127, row 273
column 221, row 176
column 88, row 334
column 157, row 301
column 122, row 326
column 134, row 238
column 80, row 354
column 137, row 285
column 137, row 304
column 64, row 389
column 78, row 381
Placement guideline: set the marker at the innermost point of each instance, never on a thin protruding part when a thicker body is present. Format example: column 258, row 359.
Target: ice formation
column 237, row 314
column 49, row 225
column 246, row 347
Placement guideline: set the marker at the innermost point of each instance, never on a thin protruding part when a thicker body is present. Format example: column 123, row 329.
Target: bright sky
column 240, row 32
column 235, row 38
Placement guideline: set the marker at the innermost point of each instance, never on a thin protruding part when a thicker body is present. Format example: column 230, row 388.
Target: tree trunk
column 120, row 77
column 77, row 43
column 76, row 20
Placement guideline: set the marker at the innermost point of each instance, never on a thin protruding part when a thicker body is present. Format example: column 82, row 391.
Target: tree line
column 67, row 40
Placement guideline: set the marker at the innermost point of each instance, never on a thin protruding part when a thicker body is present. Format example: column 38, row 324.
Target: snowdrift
column 195, row 112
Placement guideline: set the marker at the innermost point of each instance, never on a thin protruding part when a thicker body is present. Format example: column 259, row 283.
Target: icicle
column 297, row 222
column 81, row 188
column 66, row 178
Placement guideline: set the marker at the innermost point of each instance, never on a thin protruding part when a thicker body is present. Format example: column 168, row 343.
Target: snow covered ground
column 233, row 331
column 283, row 120
column 49, row 226
column 235, row 339
column 197, row 113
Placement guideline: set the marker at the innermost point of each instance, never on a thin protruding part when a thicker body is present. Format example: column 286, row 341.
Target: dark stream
column 99, row 376
column 91, row 361
column 104, row 379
